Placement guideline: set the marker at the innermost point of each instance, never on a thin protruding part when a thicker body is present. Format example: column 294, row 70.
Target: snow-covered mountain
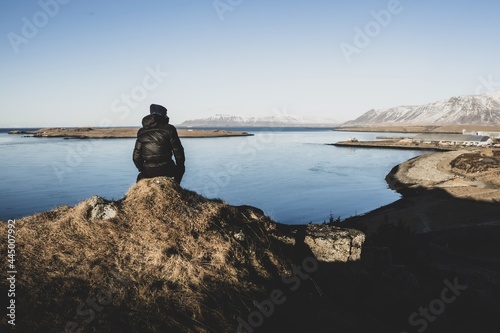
column 461, row 110
column 225, row 120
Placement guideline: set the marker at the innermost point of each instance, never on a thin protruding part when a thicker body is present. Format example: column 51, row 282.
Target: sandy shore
column 473, row 174
column 441, row 190
column 122, row 132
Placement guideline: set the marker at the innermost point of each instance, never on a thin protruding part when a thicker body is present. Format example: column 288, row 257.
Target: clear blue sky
column 87, row 63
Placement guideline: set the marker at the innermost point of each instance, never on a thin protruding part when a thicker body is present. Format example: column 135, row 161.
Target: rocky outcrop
column 100, row 209
column 334, row 245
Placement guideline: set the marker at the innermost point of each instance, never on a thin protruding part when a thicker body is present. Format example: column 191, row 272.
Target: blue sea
column 292, row 175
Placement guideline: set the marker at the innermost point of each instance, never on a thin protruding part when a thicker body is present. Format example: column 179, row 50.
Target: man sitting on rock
column 156, row 142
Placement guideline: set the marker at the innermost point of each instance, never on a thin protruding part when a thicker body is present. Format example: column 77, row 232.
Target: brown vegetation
column 160, row 259
column 487, row 160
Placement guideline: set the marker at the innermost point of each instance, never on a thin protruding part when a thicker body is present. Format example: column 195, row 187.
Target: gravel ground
column 435, row 196
column 430, row 169
column 434, row 171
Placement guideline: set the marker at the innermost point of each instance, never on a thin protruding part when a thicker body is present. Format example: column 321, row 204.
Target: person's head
column 158, row 109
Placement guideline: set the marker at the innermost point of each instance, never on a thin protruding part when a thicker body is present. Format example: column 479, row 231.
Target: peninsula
column 391, row 144
column 449, row 190
column 430, row 141
column 121, row 132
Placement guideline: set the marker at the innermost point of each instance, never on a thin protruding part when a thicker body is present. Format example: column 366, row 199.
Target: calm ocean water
column 291, row 175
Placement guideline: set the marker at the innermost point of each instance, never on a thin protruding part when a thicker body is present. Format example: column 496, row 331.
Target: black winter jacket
column 156, row 141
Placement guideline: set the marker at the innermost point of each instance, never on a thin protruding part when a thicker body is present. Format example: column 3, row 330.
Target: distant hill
column 225, row 120
column 470, row 110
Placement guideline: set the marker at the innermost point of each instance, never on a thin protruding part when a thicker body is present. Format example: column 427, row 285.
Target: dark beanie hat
column 158, row 109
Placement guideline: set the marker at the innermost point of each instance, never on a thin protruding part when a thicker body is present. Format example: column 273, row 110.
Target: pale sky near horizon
column 91, row 63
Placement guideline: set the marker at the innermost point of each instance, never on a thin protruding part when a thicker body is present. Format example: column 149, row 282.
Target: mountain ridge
column 458, row 110
column 227, row 120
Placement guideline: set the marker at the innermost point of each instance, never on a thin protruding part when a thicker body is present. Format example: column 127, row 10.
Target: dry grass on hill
column 168, row 261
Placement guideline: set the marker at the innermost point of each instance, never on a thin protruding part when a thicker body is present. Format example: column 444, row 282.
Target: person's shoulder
column 151, row 121
column 169, row 127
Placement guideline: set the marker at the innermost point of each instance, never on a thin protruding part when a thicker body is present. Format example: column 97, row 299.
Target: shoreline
column 392, row 145
column 120, row 133
column 441, row 190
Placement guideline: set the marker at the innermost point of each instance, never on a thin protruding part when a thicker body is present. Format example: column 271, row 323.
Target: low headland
column 433, row 138
column 121, row 132
column 393, row 144
column 441, row 190
column 164, row 258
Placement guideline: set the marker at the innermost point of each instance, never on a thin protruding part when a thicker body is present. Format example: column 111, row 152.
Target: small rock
column 100, row 209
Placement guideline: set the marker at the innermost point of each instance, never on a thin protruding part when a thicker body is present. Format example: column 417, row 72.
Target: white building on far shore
column 453, row 139
column 495, row 135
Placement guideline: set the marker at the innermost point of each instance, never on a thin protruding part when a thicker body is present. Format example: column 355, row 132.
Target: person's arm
column 177, row 148
column 180, row 158
column 137, row 156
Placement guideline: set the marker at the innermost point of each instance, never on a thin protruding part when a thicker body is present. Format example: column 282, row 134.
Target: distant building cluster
column 495, row 135
column 454, row 139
